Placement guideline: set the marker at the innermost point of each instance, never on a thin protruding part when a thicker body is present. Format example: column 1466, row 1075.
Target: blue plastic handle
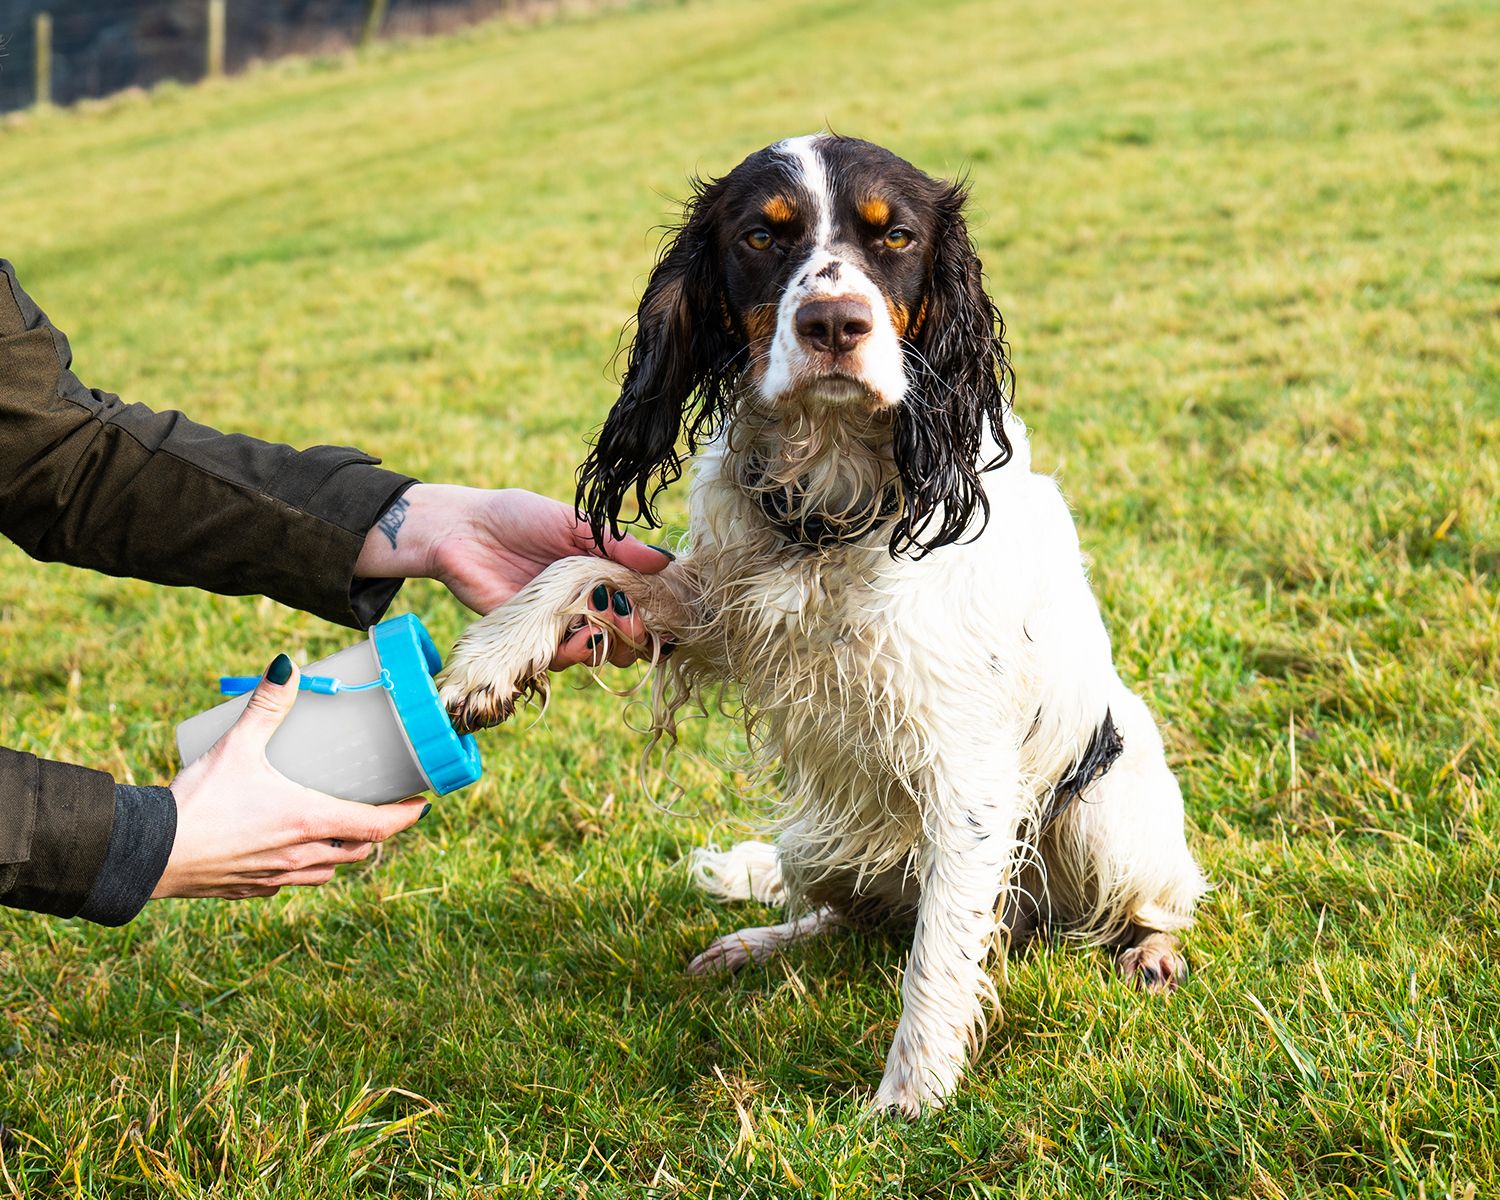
column 322, row 685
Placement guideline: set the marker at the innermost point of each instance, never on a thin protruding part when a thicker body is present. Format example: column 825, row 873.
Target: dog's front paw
column 917, row 1080
column 475, row 706
column 477, row 703
column 1154, row 964
column 908, row 1094
column 489, row 673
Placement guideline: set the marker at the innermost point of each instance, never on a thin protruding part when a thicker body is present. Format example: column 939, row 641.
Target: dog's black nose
column 836, row 325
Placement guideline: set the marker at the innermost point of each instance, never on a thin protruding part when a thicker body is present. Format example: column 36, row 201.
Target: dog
column 900, row 601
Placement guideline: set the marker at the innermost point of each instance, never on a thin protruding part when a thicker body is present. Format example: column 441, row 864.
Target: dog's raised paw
column 476, row 702
column 479, row 709
column 1153, row 965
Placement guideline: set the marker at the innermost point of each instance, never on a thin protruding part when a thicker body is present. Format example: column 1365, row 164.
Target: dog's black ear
column 961, row 384
column 679, row 375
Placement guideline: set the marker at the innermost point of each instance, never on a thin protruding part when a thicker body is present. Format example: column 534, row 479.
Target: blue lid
column 406, row 652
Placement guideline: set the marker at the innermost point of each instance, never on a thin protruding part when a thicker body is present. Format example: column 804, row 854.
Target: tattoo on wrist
column 392, row 519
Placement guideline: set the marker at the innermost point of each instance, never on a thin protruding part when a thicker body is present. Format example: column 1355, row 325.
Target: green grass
column 1248, row 256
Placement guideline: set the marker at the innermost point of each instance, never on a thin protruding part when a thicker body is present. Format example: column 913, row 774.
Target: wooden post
column 374, row 19
column 43, row 59
column 214, row 59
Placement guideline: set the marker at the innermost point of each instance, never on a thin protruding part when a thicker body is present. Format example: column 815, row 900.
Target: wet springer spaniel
column 900, row 602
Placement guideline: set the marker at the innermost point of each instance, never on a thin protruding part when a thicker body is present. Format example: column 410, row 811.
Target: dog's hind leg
column 758, row 943
column 1151, row 960
column 762, row 872
column 1118, row 866
column 504, row 656
column 747, row 871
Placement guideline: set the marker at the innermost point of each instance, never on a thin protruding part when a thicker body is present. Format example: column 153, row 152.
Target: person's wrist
column 452, row 549
column 403, row 542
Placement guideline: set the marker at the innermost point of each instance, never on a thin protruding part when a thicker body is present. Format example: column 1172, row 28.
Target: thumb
column 637, row 555
column 271, row 701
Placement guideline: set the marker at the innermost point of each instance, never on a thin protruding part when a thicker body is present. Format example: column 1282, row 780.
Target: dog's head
column 822, row 272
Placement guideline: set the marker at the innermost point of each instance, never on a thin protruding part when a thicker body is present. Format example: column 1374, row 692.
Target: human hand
column 485, row 546
column 244, row 829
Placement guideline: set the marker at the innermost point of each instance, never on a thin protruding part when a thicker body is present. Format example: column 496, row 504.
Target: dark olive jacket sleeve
column 88, row 480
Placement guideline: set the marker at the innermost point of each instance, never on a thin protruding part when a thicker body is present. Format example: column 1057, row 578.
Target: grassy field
column 1249, row 259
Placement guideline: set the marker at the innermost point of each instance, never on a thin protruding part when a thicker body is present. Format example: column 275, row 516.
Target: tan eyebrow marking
column 900, row 316
column 778, row 209
column 875, row 210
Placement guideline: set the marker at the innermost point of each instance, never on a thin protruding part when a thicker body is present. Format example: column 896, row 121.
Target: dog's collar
column 817, row 531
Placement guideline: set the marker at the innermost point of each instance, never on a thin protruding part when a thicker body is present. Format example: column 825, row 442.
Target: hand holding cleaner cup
column 367, row 724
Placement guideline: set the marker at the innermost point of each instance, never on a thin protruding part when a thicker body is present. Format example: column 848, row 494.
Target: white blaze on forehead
column 878, row 362
column 814, row 177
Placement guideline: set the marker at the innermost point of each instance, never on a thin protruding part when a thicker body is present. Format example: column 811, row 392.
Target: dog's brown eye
column 897, row 238
column 759, row 239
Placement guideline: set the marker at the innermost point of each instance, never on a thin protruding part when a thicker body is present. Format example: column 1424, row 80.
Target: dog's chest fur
column 859, row 671
column 840, row 679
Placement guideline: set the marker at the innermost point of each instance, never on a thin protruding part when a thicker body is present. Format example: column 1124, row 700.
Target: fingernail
column 667, row 648
column 595, row 640
column 663, row 550
column 600, row 598
column 426, row 808
column 622, row 604
column 280, row 670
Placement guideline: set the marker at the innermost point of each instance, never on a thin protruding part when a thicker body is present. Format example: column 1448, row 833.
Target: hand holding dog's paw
column 577, row 611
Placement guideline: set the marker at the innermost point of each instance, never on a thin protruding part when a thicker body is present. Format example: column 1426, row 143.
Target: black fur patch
column 1105, row 746
column 818, row 531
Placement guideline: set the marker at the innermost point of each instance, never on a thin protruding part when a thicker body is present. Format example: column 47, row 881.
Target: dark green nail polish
column 667, row 648
column 663, row 550
column 600, row 598
column 280, row 670
column 595, row 640
column 426, row 808
column 622, row 604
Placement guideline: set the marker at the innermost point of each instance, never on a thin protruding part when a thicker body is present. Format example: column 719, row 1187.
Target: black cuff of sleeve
column 139, row 845
column 354, row 497
column 369, row 598
column 351, row 492
column 72, row 811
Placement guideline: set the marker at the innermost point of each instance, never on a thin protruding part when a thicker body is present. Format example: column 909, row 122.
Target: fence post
column 374, row 18
column 214, row 63
column 43, row 59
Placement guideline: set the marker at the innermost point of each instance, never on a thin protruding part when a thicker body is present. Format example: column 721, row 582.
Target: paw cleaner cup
column 367, row 724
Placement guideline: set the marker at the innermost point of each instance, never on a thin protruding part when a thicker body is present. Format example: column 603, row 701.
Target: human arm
column 91, row 481
column 88, row 480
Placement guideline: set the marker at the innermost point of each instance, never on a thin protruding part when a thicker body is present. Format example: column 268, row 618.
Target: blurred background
column 67, row 50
